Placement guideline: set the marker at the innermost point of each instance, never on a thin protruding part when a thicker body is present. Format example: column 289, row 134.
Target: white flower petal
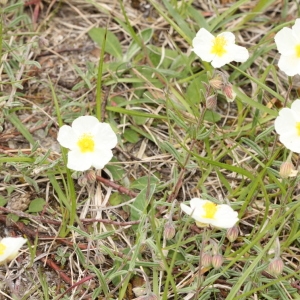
column 101, row 157
column 229, row 37
column 79, row 161
column 289, row 64
column 287, row 126
column 85, row 124
column 202, row 45
column 186, row 209
column 13, row 245
column 295, row 108
column 225, row 217
column 204, row 35
column 105, row 137
column 285, row 121
column 197, row 202
column 234, row 53
column 285, row 41
column 66, row 137
column 291, row 142
column 239, row 54
column 220, row 61
column 296, row 29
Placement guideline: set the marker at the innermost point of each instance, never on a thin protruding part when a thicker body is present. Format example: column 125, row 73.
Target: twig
column 50, row 263
column 116, row 186
column 29, row 216
column 87, row 278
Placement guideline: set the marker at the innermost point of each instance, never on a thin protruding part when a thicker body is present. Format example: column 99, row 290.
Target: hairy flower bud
column 216, row 82
column 150, row 296
column 211, row 102
column 287, row 170
column 169, row 230
column 139, row 291
column 90, row 176
column 206, row 259
column 229, row 93
column 275, row 267
column 232, row 233
column 82, row 180
column 217, row 261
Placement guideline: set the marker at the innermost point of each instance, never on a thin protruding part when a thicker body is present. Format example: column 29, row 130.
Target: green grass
column 152, row 89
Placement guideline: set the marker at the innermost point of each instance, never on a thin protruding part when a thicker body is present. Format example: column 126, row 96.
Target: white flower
column 287, row 125
column 219, row 50
column 9, row 248
column 208, row 213
column 90, row 143
column 288, row 44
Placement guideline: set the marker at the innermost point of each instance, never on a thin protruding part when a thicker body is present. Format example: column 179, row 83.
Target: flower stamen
column 298, row 128
column 297, row 49
column 2, row 249
column 218, row 47
column 210, row 210
column 86, row 143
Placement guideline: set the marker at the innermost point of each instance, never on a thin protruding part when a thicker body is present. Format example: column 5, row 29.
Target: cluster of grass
column 152, row 89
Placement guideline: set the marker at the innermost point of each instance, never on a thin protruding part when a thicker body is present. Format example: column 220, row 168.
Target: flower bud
column 139, row 291
column 232, row 233
column 206, row 260
column 216, row 82
column 90, row 176
column 211, row 102
column 82, row 180
column 287, row 170
column 275, row 267
column 217, row 261
column 169, row 230
column 229, row 93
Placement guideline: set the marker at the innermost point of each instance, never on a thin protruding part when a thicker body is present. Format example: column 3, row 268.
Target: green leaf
column 36, row 205
column 254, row 146
column 257, row 10
column 227, row 12
column 112, row 45
column 172, row 150
column 32, row 182
column 134, row 47
column 12, row 117
column 131, row 136
column 140, row 203
column 3, row 201
column 134, row 113
column 253, row 103
column 143, row 182
column 116, row 171
column 12, row 217
column 212, row 116
column 205, row 133
column 117, row 198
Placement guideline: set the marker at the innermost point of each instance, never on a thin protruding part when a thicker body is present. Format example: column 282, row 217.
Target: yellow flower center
column 218, row 47
column 297, row 49
column 210, row 210
column 2, row 249
column 298, row 128
column 86, row 143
